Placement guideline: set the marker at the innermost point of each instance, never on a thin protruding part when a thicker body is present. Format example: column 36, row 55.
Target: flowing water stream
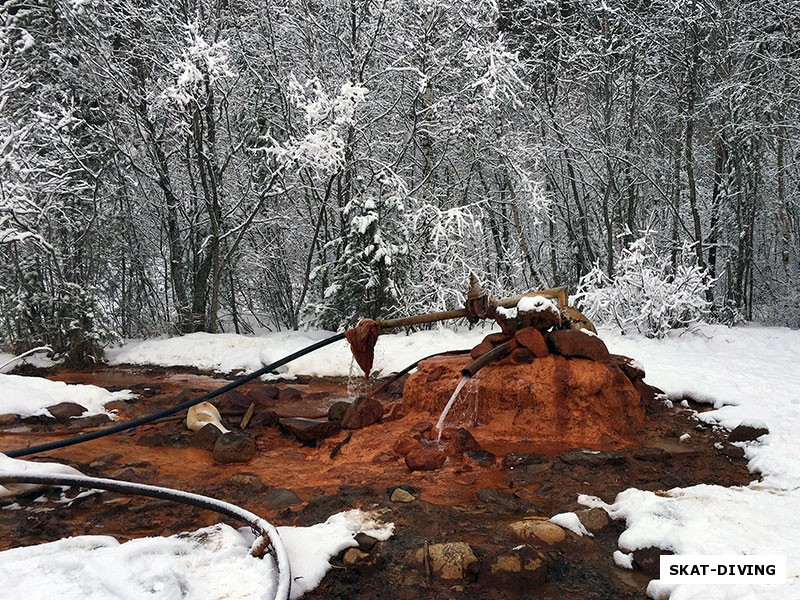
column 449, row 405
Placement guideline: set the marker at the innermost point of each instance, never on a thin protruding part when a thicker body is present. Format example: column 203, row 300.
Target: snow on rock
column 28, row 396
column 309, row 548
column 710, row 519
column 569, row 520
column 536, row 304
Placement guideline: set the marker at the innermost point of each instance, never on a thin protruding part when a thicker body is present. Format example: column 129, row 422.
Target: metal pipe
column 492, row 355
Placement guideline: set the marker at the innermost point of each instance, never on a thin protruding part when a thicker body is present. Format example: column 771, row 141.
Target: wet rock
column 425, row 458
column 289, row 394
column 396, row 410
column 105, row 460
column 480, row 458
column 732, row 451
column 8, row 419
column 421, row 428
column 405, row 443
column 337, row 410
column 458, row 440
column 649, row 559
column 401, row 495
column 627, row 365
column 157, row 439
column 365, row 542
column 364, row 411
column 234, row 447
column 308, row 430
column 263, row 395
column 499, row 501
column 66, row 410
column 521, row 356
column 650, row 395
column 264, row 418
column 361, row 562
column 100, row 420
column 533, row 340
column 651, row 454
column 496, row 339
column 574, row 342
column 592, row 458
column 234, row 403
column 517, row 572
column 450, row 561
column 480, row 350
column 747, row 433
column 248, row 480
column 205, row 438
column 537, row 530
column 515, row 460
column 279, row 498
column 594, row 519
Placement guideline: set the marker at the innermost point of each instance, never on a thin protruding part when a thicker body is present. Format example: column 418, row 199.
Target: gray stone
column 234, row 447
column 206, row 438
column 746, row 433
column 309, row 430
column 279, row 498
column 400, row 495
column 66, row 410
column 592, row 458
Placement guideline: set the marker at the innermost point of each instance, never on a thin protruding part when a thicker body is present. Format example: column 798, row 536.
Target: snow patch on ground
column 28, row 396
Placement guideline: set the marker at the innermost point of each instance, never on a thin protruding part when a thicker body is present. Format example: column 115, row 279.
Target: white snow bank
column 749, row 374
column 28, row 396
column 228, row 353
column 710, row 519
column 212, row 562
column 569, row 520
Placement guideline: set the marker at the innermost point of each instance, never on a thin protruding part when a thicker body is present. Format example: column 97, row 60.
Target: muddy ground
column 290, row 483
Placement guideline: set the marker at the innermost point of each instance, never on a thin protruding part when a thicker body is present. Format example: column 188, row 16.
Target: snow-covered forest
column 198, row 165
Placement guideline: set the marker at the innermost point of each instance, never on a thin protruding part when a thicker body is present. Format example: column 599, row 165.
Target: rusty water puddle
column 460, row 502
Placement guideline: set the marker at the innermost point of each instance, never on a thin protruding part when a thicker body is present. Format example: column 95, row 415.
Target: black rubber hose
column 87, row 437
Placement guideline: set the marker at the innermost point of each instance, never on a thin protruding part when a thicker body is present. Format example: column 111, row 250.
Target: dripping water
column 449, row 405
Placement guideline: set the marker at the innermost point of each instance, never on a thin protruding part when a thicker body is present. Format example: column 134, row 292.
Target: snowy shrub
column 646, row 294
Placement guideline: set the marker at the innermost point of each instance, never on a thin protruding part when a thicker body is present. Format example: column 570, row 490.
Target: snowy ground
column 749, row 374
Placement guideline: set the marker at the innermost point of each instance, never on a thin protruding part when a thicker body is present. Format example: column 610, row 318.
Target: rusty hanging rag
column 363, row 338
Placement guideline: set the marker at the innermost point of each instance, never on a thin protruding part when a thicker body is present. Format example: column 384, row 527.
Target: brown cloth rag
column 363, row 338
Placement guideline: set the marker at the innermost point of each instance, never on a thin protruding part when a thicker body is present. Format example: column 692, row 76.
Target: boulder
column 449, row 561
column 206, row 438
column 517, row 571
column 747, row 432
column 308, row 430
column 66, row 410
column 537, row 530
column 577, row 343
column 234, row 447
column 552, row 399
column 362, row 412
column 425, row 458
column 457, row 440
column 337, row 410
column 533, row 340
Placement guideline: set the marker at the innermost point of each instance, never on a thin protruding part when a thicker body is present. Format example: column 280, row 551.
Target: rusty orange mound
column 553, row 399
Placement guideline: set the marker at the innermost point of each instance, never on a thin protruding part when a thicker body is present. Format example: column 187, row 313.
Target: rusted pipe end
column 496, row 353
